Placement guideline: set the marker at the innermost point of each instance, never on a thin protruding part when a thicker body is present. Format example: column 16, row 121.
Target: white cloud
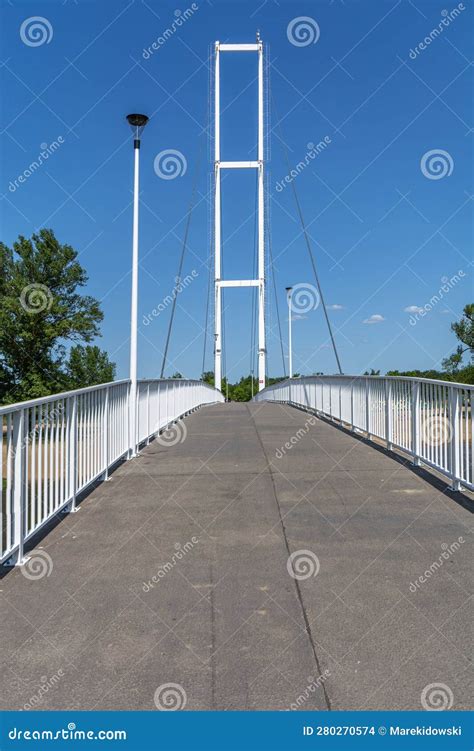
column 336, row 306
column 413, row 309
column 375, row 318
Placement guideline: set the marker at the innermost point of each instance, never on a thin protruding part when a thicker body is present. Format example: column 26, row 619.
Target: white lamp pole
column 289, row 290
column 137, row 123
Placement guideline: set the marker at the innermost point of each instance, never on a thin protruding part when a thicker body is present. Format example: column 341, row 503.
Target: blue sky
column 385, row 232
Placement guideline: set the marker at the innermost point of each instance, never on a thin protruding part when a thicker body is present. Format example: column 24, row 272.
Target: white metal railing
column 53, row 448
column 430, row 420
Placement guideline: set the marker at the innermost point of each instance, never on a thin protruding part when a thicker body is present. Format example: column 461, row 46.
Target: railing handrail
column 54, row 397
column 177, row 380
column 468, row 386
column 6, row 408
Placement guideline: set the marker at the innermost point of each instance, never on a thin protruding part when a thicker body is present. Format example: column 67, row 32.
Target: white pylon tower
column 219, row 165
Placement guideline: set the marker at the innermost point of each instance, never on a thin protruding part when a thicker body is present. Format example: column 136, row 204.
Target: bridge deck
column 227, row 622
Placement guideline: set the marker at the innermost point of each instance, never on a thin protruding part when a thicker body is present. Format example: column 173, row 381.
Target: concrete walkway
column 177, row 571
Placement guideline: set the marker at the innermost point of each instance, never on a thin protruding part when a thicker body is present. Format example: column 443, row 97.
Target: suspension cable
column 183, row 252
column 307, row 240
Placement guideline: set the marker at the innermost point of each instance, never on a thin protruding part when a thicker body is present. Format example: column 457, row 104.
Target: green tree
column 88, row 366
column 240, row 391
column 41, row 310
column 464, row 330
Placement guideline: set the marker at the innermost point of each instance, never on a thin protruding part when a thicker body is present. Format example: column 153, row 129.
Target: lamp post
column 137, row 123
column 289, row 290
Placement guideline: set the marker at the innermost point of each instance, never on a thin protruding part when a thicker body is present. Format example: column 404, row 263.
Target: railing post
column 72, row 422
column 352, row 405
column 132, row 419
column 388, row 414
column 148, row 414
column 19, row 488
column 453, row 431
column 105, row 435
column 415, row 422
column 367, row 410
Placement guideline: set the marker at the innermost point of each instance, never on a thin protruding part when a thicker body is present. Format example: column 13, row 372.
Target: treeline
column 463, row 375
column 243, row 390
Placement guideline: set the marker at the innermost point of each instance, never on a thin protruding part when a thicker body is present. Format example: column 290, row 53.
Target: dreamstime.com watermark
column 296, row 438
column 37, row 565
column 437, row 697
column 36, row 31
column 44, row 422
column 313, row 684
column 314, row 149
column 181, row 552
column 447, row 18
column 47, row 150
column 36, row 298
column 45, row 685
column 179, row 20
column 180, row 285
column 303, row 564
column 170, row 697
column 303, row 31
column 304, row 298
column 448, row 551
column 436, row 429
column 447, row 286
column 71, row 733
column 170, row 164
column 436, row 164
column 174, row 433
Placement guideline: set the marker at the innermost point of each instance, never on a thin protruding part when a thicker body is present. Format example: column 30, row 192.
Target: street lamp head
column 137, row 123
column 288, row 289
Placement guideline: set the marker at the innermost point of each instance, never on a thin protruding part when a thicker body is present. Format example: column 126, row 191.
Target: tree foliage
column 42, row 309
column 464, row 330
column 240, row 391
column 88, row 366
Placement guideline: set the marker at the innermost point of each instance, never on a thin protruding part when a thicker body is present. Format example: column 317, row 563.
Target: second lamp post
column 137, row 123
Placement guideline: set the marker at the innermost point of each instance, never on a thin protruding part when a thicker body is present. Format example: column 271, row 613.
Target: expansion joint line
column 297, row 584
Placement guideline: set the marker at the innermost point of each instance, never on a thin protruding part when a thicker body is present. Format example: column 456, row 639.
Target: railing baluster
column 388, row 414
column 73, row 444
column 105, row 434
column 415, row 422
column 19, row 486
column 454, row 426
